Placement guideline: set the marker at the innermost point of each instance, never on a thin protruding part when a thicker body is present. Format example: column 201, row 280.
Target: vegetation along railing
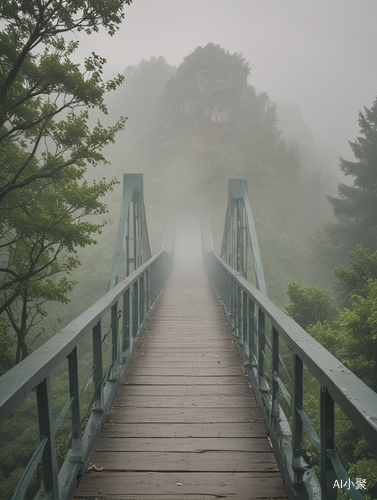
column 248, row 312
column 125, row 309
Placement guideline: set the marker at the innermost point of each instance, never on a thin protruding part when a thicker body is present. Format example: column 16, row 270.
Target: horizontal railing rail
column 247, row 310
column 130, row 305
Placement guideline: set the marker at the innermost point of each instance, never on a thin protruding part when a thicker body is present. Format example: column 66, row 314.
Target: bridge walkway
column 185, row 424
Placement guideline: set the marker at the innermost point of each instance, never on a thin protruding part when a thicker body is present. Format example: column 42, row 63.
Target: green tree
column 309, row 304
column 355, row 209
column 359, row 336
column 38, row 81
column 46, row 235
column 353, row 280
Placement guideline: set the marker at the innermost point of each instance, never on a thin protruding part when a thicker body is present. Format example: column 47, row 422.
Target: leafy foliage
column 359, row 336
column 354, row 280
column 309, row 305
column 351, row 336
column 44, row 198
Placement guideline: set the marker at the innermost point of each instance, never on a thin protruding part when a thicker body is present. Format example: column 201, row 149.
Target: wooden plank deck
column 185, row 424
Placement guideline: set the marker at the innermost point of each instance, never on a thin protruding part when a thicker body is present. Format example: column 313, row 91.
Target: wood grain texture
column 185, row 424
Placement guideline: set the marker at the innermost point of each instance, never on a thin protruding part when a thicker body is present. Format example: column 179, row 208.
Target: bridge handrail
column 138, row 292
column 338, row 384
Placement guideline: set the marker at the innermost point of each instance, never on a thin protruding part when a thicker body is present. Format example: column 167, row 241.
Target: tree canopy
column 46, row 144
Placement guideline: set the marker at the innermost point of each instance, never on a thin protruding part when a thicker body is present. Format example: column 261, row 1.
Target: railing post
column 228, row 293
column 263, row 386
column 297, row 400
column 326, row 429
column 114, row 339
column 135, row 309
column 142, row 298
column 251, row 330
column 157, row 275
column 152, row 284
column 97, row 362
column 239, row 312
column 46, row 430
column 126, row 325
column 275, row 374
column 233, row 302
column 245, row 339
column 223, row 280
column 75, row 407
column 147, row 289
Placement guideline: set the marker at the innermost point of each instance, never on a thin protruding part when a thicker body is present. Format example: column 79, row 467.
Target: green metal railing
column 247, row 310
column 129, row 305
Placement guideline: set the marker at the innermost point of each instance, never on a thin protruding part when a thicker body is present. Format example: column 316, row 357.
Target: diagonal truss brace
column 240, row 233
column 132, row 229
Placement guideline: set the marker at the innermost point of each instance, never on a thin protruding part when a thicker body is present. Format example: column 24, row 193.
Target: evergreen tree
column 356, row 207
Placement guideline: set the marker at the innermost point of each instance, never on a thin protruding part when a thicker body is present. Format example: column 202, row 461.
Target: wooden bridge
column 185, row 424
column 183, row 373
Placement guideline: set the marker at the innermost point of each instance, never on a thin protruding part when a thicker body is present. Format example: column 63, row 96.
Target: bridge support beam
column 137, row 245
column 240, row 234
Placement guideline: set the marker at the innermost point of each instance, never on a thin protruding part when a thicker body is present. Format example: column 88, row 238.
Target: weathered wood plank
column 201, row 362
column 255, row 429
column 187, row 390
column 187, row 380
column 185, row 445
column 218, row 461
column 177, row 486
column 194, row 348
column 154, row 401
column 189, row 415
column 205, row 357
column 197, row 371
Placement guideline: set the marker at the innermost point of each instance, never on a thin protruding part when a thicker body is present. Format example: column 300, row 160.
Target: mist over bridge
column 196, row 361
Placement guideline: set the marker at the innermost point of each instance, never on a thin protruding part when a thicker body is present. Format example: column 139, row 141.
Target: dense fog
column 280, row 94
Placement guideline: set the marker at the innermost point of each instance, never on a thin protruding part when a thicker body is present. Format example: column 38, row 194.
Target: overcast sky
column 318, row 54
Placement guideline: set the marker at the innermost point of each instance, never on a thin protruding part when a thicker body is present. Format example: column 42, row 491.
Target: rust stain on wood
column 185, row 424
